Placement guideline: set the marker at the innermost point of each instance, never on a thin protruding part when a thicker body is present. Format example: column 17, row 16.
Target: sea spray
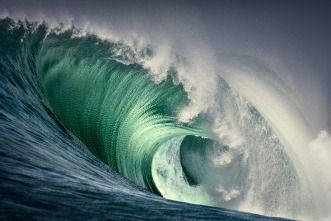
column 133, row 122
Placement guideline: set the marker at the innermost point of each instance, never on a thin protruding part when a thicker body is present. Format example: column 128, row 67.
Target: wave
column 153, row 128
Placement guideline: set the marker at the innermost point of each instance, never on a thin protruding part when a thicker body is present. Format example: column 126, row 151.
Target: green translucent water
column 116, row 110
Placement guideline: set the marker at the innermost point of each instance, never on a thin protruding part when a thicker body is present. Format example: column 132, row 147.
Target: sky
column 294, row 36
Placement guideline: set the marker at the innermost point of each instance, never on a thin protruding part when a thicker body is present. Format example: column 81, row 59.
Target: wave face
column 114, row 109
column 57, row 86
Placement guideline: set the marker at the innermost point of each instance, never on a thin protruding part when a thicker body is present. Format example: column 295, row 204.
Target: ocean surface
column 91, row 130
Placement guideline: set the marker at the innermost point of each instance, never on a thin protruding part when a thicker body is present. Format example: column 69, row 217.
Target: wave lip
column 115, row 109
column 130, row 122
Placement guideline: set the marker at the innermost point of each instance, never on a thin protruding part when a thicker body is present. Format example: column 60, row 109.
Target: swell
column 116, row 110
column 45, row 172
column 130, row 123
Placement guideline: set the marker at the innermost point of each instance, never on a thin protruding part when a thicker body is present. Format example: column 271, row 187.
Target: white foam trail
column 197, row 74
column 320, row 150
column 276, row 103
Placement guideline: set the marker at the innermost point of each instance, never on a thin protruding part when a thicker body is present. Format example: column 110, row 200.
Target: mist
column 290, row 41
column 292, row 37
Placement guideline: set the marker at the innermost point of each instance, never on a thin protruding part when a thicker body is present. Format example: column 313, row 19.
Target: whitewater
column 97, row 125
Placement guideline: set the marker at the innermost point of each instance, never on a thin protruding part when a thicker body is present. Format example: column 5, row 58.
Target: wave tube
column 230, row 155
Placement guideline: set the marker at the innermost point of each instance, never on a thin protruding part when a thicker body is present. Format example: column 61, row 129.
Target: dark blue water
column 48, row 174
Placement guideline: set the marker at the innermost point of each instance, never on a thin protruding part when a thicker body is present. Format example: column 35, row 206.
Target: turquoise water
column 115, row 109
column 59, row 90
